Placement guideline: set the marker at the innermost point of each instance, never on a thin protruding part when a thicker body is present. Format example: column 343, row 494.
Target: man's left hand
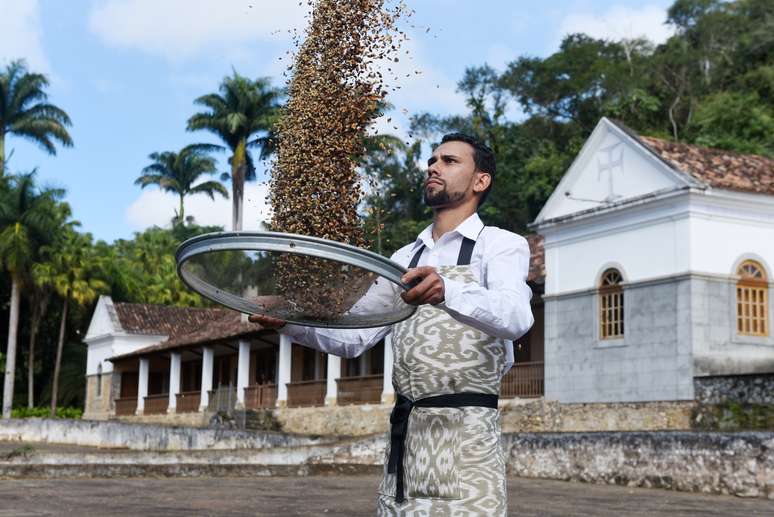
column 429, row 286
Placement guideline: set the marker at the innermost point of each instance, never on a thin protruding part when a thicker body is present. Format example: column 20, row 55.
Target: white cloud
column 21, row 35
column 154, row 207
column 619, row 22
column 429, row 90
column 180, row 29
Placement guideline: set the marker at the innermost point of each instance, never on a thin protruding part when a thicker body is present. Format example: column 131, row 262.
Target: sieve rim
column 290, row 243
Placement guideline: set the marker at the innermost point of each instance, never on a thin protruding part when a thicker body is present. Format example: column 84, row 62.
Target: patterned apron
column 452, row 460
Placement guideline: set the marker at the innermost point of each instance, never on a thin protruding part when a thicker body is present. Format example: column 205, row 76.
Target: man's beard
column 442, row 197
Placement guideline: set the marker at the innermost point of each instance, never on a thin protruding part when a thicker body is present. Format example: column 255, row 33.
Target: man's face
column 452, row 178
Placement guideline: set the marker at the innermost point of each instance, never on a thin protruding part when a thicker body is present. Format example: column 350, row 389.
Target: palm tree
column 27, row 217
column 71, row 270
column 25, row 112
column 39, row 297
column 242, row 116
column 177, row 172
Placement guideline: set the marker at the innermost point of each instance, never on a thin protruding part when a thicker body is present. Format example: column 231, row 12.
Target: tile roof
column 227, row 325
column 162, row 320
column 537, row 263
column 717, row 167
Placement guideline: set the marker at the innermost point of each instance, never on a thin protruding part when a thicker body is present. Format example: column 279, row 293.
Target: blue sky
column 127, row 72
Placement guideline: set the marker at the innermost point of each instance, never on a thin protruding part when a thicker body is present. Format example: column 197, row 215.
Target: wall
column 539, row 415
column 717, row 348
column 748, row 389
column 722, row 463
column 355, row 420
column 135, row 436
column 611, row 165
column 643, row 241
column 652, row 362
column 517, row 415
column 99, row 408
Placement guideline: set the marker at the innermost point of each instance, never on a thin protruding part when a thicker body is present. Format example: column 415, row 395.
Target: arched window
column 752, row 301
column 99, row 380
column 611, row 305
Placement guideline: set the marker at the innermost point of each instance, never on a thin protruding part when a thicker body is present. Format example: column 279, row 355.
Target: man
column 444, row 455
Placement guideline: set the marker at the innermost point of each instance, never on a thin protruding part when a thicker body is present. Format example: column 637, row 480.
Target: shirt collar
column 470, row 228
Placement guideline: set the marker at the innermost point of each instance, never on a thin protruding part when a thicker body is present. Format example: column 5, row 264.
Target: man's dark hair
column 483, row 157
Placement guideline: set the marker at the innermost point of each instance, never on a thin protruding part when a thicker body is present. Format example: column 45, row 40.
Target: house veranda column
column 142, row 385
column 334, row 372
column 208, row 361
column 174, row 381
column 283, row 373
column 388, row 392
column 243, row 372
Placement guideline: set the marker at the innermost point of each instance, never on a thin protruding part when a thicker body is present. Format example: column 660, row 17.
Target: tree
column 179, row 172
column 578, row 82
column 25, row 112
column 393, row 202
column 27, row 217
column 143, row 269
column 736, row 121
column 70, row 268
column 39, row 297
column 242, row 116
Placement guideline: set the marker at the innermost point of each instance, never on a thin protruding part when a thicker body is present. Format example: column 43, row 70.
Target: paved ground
column 335, row 495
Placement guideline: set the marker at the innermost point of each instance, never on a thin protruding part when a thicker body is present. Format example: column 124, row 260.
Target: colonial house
column 148, row 360
column 651, row 269
column 659, row 258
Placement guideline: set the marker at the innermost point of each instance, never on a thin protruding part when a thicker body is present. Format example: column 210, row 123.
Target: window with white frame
column 611, row 305
column 752, row 300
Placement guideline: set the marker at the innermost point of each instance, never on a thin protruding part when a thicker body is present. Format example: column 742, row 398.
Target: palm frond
column 210, row 188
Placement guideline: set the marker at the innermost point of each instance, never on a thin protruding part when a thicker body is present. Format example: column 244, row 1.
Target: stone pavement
column 336, row 495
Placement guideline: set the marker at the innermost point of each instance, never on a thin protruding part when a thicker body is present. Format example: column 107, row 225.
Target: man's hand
column 428, row 286
column 266, row 321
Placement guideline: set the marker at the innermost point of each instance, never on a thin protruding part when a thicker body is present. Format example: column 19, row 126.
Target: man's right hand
column 266, row 321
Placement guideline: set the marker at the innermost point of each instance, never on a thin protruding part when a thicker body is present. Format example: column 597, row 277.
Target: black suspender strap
column 466, row 252
column 415, row 258
column 399, row 419
column 463, row 259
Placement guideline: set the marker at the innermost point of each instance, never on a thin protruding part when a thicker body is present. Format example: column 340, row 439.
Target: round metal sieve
column 300, row 279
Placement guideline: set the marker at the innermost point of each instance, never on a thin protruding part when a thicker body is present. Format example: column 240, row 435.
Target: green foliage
column 28, row 217
column 736, row 121
column 43, row 412
column 25, row 112
column 72, row 381
column 143, row 269
column 393, row 202
column 70, row 267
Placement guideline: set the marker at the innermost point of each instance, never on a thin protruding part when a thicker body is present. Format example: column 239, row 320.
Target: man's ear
column 482, row 182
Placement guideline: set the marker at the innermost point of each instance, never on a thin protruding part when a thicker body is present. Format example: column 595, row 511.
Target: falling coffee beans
column 334, row 93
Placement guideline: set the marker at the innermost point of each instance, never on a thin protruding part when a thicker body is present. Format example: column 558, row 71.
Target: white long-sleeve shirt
column 499, row 305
